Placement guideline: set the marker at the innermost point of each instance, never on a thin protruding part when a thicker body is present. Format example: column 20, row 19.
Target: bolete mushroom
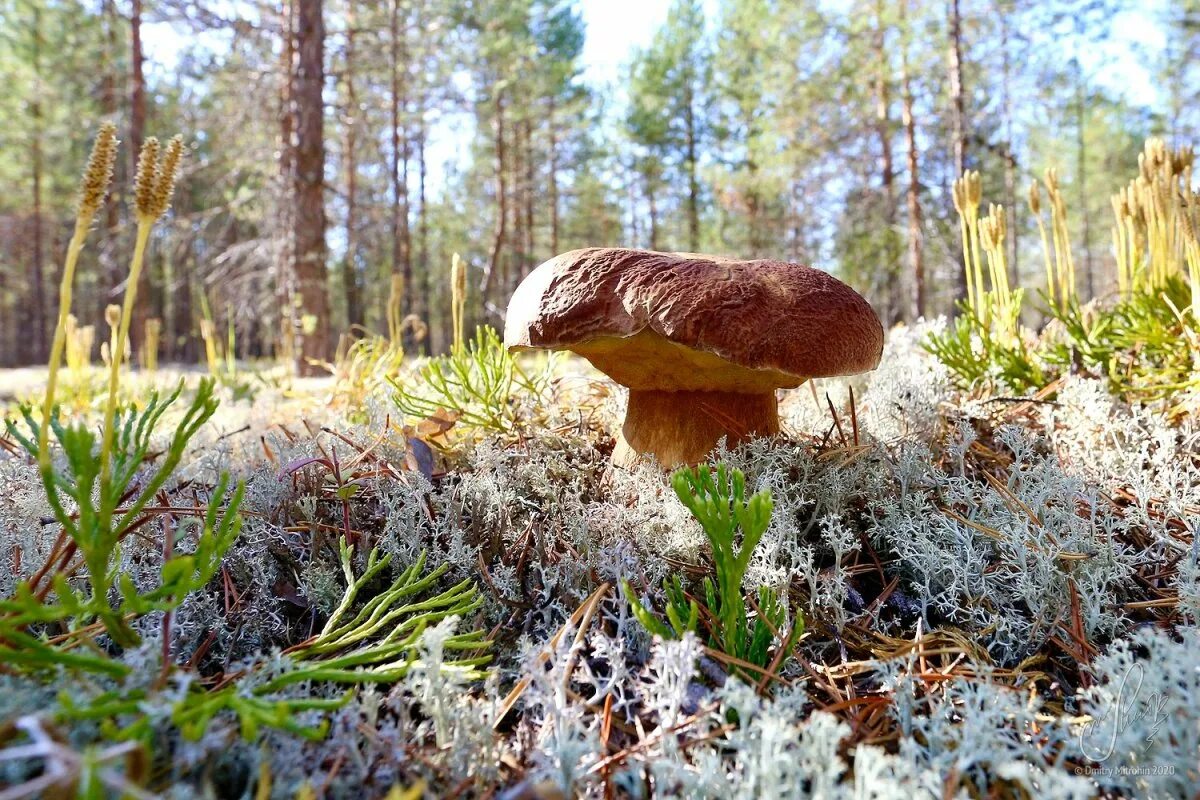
column 702, row 342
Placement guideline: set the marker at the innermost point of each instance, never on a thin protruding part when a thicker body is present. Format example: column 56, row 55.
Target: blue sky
column 616, row 27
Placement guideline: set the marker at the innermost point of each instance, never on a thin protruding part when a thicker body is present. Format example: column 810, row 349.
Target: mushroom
column 702, row 342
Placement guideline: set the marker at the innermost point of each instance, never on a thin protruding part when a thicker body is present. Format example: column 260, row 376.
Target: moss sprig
column 717, row 499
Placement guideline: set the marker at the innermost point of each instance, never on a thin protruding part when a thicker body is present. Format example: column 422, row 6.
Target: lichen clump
column 978, row 582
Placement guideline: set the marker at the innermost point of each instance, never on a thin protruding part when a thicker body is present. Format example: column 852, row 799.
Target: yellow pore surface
column 648, row 361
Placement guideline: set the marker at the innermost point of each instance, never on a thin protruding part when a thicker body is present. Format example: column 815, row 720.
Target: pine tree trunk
column 426, row 310
column 895, row 304
column 285, row 288
column 916, row 263
column 350, row 283
column 753, row 205
column 493, row 265
column 36, row 341
column 405, row 224
column 530, row 233
column 110, row 264
column 632, row 183
column 1010, row 159
column 652, row 202
column 177, row 326
column 957, row 118
column 6, row 318
column 137, row 135
column 400, row 262
column 1081, row 171
column 309, row 231
column 7, row 303
column 689, row 121
column 553, row 178
column 516, row 256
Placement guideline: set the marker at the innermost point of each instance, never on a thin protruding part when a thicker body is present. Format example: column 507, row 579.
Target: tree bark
column 553, row 178
column 1010, row 159
column 493, row 265
column 7, row 357
column 915, row 244
column 177, row 326
column 350, row 282
column 137, row 135
column 753, row 204
column 530, row 233
column 689, row 130
column 284, row 274
column 426, row 310
column 883, row 125
column 36, row 341
column 517, row 171
column 401, row 263
column 652, row 203
column 309, row 231
column 110, row 264
column 405, row 223
column 957, row 117
column 632, row 183
column 137, row 85
column 1081, row 168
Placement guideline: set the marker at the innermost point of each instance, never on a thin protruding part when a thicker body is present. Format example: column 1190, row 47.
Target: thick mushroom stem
column 678, row 428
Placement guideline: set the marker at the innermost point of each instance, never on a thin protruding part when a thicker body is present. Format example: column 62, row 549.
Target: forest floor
column 999, row 597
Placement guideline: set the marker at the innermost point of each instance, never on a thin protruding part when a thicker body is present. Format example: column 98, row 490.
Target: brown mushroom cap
column 681, row 321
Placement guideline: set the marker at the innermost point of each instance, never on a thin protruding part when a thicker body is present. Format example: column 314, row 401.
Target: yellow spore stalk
column 1122, row 235
column 968, row 191
column 1156, row 217
column 1161, row 227
column 1035, row 207
column 1190, row 241
column 1064, row 261
column 1192, row 253
column 458, row 298
column 1152, row 198
column 1190, row 220
column 208, row 333
column 78, row 351
column 1135, row 236
column 394, row 308
column 151, row 336
column 92, row 190
column 994, row 234
column 153, row 187
column 112, row 318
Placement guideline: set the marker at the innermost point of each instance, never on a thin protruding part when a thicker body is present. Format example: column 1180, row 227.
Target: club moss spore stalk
column 153, row 187
column 80, row 339
column 93, row 188
column 968, row 192
column 458, row 299
column 395, row 309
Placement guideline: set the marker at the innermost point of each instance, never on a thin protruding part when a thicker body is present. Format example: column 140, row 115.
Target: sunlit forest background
column 293, row 505
column 339, row 152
